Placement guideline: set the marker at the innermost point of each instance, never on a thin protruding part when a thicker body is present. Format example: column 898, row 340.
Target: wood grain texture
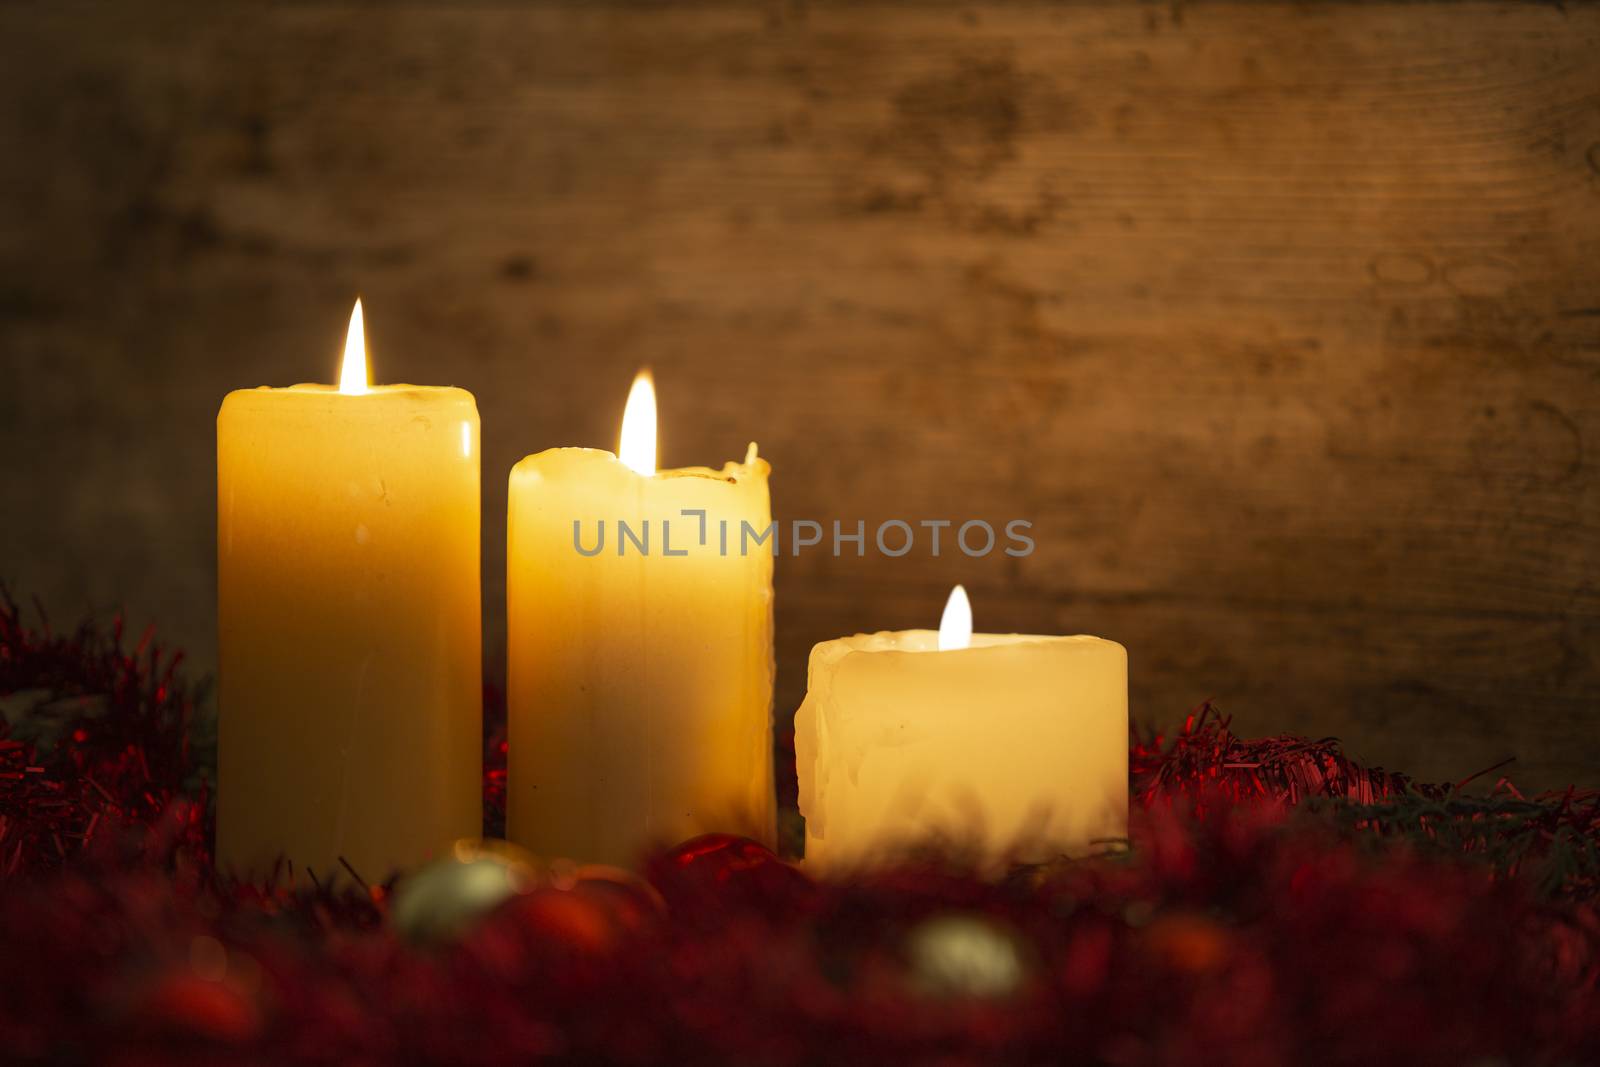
column 1280, row 322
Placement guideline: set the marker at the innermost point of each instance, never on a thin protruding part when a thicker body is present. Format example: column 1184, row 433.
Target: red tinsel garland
column 95, row 746
column 1281, row 905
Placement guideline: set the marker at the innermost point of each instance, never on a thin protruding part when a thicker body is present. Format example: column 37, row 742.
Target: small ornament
column 631, row 901
column 576, row 920
column 1192, row 944
column 191, row 1006
column 444, row 898
column 707, row 872
column 965, row 956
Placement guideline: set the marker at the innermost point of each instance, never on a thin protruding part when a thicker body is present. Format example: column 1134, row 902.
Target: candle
column 349, row 625
column 1016, row 743
column 639, row 608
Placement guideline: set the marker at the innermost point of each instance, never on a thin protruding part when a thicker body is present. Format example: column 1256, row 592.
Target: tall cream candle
column 639, row 650
column 1014, row 743
column 349, row 624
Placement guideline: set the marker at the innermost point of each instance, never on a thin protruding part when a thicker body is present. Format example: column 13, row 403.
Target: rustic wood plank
column 1282, row 322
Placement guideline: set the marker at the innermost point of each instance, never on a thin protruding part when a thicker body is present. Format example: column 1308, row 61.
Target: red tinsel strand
column 1281, row 905
column 1205, row 757
column 1556, row 835
column 122, row 757
column 494, row 761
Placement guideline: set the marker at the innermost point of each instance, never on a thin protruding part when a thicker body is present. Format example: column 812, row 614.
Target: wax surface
column 639, row 686
column 350, row 629
column 1018, row 744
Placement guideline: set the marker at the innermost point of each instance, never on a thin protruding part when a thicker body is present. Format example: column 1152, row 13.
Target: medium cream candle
column 349, row 625
column 639, row 609
column 1014, row 743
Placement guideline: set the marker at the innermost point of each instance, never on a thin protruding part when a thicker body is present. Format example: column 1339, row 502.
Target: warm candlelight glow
column 638, row 676
column 1018, row 745
column 353, row 374
column 348, row 534
column 955, row 627
column 637, row 449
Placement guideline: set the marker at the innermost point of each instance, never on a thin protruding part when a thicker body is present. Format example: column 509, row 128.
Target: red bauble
column 183, row 1005
column 631, row 903
column 583, row 917
column 706, row 873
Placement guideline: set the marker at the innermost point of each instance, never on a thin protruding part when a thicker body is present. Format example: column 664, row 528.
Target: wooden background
column 1281, row 322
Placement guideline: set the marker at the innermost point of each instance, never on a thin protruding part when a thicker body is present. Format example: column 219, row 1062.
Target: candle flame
column 637, row 448
column 353, row 374
column 955, row 627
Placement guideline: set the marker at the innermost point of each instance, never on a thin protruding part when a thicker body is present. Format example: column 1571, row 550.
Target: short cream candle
column 349, row 626
column 1015, row 743
column 639, row 660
